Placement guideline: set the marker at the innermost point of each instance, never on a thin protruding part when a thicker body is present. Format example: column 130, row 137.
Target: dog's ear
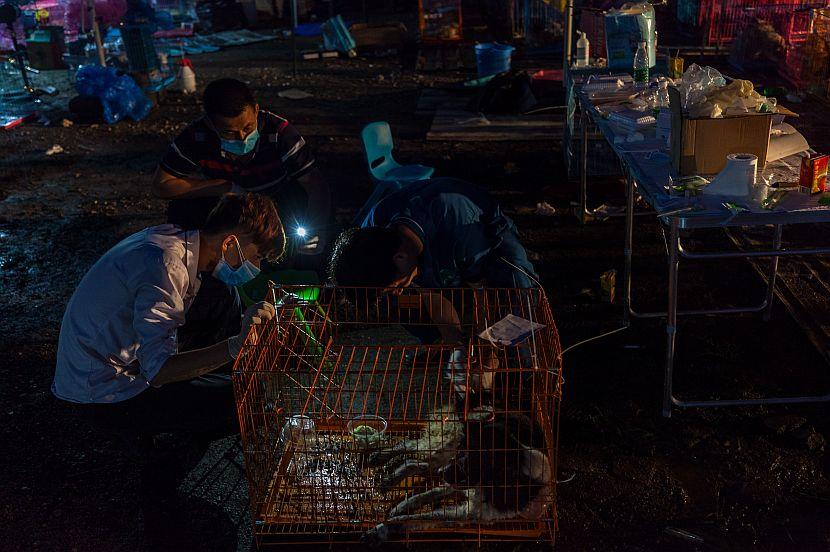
column 535, row 465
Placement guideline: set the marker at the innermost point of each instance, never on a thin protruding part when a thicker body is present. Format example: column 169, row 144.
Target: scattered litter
column 478, row 120
column 545, row 209
column 293, row 94
column 337, row 37
column 67, row 123
column 681, row 534
column 57, row 148
column 607, row 285
column 604, row 211
column 318, row 54
column 567, row 480
column 119, row 94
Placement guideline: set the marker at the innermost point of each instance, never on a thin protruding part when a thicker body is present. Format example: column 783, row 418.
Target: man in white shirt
column 119, row 343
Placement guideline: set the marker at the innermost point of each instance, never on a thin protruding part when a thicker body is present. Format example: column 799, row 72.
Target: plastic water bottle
column 641, row 67
column 583, row 50
column 661, row 97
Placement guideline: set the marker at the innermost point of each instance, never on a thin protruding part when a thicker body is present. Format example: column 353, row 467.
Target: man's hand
column 314, row 245
column 481, row 374
column 255, row 315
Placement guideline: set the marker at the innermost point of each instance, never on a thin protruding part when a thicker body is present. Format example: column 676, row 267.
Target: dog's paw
column 376, row 536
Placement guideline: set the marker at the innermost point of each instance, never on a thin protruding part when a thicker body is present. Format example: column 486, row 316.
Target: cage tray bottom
column 286, row 514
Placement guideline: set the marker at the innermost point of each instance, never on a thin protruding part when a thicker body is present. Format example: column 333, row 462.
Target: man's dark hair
column 250, row 215
column 227, row 98
column 363, row 257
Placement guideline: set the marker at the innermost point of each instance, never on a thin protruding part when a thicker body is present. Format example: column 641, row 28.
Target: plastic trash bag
column 696, row 84
column 704, row 93
column 120, row 96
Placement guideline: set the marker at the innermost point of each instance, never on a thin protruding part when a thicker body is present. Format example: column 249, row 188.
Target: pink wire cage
column 723, row 20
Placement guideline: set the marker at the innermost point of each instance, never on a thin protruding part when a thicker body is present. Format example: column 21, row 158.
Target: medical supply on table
column 641, row 67
column 734, row 208
column 814, row 173
column 631, row 119
column 687, row 186
column 629, row 25
column 583, row 51
column 596, row 83
column 773, row 198
column 737, row 179
column 661, row 97
column 664, row 126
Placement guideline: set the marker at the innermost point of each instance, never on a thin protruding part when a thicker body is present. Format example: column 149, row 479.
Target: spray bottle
column 583, row 50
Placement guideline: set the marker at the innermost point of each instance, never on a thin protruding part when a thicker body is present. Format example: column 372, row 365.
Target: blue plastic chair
column 388, row 174
column 377, row 143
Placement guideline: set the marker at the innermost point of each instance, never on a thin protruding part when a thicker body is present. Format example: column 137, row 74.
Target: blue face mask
column 224, row 272
column 241, row 147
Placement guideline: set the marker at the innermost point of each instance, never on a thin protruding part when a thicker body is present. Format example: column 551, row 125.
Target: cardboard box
column 379, row 37
column 702, row 145
column 45, row 48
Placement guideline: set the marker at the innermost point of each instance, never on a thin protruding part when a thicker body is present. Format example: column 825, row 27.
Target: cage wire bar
column 806, row 64
column 723, row 20
column 354, row 431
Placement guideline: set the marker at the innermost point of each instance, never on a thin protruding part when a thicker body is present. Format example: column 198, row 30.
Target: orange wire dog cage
column 354, row 431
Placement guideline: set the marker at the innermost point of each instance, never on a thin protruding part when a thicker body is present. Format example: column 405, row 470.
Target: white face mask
column 224, row 272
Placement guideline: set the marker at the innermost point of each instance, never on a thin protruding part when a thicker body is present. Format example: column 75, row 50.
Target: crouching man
column 441, row 232
column 125, row 344
column 438, row 233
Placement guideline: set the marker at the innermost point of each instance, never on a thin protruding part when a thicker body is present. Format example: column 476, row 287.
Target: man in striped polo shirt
column 238, row 147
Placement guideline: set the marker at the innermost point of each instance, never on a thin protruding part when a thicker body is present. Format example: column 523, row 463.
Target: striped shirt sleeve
column 294, row 152
column 181, row 157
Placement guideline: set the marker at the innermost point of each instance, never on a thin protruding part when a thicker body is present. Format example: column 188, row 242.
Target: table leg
column 629, row 242
column 671, row 318
column 773, row 272
column 583, row 167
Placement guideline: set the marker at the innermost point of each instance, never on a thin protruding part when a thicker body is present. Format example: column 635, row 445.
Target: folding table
column 647, row 173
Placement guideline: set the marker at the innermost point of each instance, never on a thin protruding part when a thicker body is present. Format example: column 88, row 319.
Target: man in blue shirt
column 441, row 232
column 437, row 233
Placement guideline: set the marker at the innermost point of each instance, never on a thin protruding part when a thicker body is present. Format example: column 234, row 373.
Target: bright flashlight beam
column 301, row 232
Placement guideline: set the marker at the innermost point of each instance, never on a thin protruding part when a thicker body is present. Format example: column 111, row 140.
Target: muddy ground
column 737, row 479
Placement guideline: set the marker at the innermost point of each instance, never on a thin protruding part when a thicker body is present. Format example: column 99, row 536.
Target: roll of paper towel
column 737, row 178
